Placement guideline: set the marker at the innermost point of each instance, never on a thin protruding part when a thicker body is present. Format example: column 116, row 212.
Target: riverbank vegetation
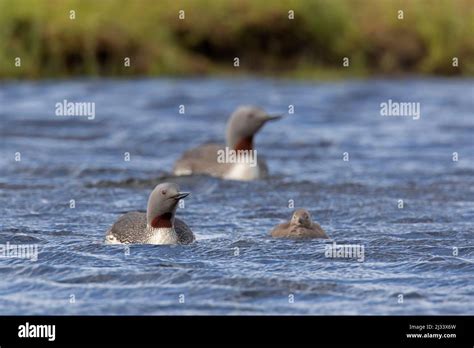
column 313, row 44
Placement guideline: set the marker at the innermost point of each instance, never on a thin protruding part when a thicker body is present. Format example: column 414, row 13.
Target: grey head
column 162, row 205
column 301, row 217
column 243, row 124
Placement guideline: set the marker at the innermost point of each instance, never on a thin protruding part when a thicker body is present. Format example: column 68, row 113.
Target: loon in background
column 242, row 126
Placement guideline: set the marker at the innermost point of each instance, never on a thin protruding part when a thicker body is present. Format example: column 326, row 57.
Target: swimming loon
column 242, row 126
column 300, row 226
column 158, row 225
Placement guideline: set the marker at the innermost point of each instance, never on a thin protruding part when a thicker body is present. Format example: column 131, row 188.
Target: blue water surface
column 423, row 251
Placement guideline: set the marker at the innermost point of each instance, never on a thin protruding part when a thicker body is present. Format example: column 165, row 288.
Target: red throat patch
column 162, row 221
column 245, row 144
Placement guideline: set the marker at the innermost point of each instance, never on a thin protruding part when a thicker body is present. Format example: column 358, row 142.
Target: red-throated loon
column 242, row 126
column 158, row 225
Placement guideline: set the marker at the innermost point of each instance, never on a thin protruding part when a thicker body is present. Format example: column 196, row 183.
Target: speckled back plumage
column 132, row 228
column 129, row 228
column 185, row 235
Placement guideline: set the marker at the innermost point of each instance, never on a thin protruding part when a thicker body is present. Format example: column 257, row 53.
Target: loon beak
column 181, row 195
column 272, row 117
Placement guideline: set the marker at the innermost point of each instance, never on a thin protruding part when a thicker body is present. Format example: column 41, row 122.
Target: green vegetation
column 213, row 32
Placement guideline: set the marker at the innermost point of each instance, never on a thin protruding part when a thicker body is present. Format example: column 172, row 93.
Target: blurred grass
column 259, row 32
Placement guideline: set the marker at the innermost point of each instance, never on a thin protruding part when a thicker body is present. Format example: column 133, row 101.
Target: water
column 408, row 251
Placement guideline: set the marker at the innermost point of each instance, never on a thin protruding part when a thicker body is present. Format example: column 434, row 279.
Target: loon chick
column 299, row 227
column 158, row 225
column 242, row 126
